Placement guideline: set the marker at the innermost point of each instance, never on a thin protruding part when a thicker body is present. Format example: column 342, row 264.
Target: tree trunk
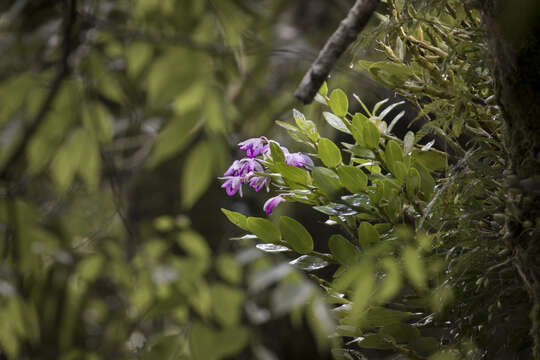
column 513, row 30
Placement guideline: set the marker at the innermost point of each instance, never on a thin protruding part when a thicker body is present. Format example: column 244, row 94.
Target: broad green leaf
column 427, row 183
column 392, row 153
column 342, row 250
column 293, row 174
column 388, row 73
column 90, row 167
column 329, row 152
column 264, row 229
column 196, row 173
column 371, row 135
column 209, row 344
column 412, row 182
column 296, row 235
column 193, row 244
column 323, row 90
column 367, row 235
column 307, row 127
column 172, row 138
column 327, row 181
column 336, row 122
column 391, row 283
column 98, row 121
column 68, row 160
column 137, row 56
column 338, row 102
column 353, row 178
column 414, row 267
column 277, row 154
column 400, row 171
column 229, row 269
column 430, row 159
column 227, row 304
column 236, row 218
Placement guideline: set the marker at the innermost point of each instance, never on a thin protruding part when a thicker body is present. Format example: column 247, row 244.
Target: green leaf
column 264, row 229
column 329, row 152
column 336, row 122
column 209, row 344
column 371, row 135
column 342, row 250
column 68, row 160
column 412, row 182
column 353, row 178
column 427, row 183
column 338, row 102
column 400, row 171
column 306, row 126
column 392, row 153
column 277, row 153
column 391, row 283
column 296, row 235
column 414, row 267
column 367, row 235
column 293, row 174
column 193, row 244
column 430, row 159
column 236, row 218
column 172, row 138
column 227, row 304
column 137, row 56
column 196, row 174
column 90, row 167
column 327, row 181
column 323, row 90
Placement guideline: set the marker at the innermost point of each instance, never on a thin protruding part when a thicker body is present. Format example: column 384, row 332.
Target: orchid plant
column 375, row 190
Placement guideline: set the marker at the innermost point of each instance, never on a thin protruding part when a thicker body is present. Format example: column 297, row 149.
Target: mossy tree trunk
column 513, row 30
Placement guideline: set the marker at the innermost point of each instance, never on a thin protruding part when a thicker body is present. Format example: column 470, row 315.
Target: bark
column 513, row 30
column 345, row 34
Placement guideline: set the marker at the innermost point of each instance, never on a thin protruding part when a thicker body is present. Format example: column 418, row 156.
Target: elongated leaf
column 296, row 235
column 352, row 178
column 196, row 174
column 277, row 153
column 327, row 180
column 329, row 152
column 338, row 102
column 344, row 252
column 172, row 138
column 336, row 122
column 236, row 218
column 264, row 229
column 414, row 267
column 367, row 235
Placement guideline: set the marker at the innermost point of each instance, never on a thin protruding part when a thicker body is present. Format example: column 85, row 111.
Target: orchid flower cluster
column 251, row 170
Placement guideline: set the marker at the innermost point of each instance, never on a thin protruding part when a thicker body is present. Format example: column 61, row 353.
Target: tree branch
column 63, row 72
column 346, row 33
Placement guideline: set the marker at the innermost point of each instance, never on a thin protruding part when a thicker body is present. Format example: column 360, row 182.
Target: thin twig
column 63, row 72
column 346, row 33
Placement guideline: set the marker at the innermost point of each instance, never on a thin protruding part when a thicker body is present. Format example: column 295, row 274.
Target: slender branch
column 346, row 33
column 63, row 72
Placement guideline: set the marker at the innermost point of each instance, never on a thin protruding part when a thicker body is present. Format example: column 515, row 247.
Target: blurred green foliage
column 116, row 118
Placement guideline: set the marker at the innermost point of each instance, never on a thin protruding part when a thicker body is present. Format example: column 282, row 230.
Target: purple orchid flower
column 257, row 182
column 299, row 160
column 271, row 204
column 232, row 185
column 253, row 147
column 249, row 166
column 234, row 168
